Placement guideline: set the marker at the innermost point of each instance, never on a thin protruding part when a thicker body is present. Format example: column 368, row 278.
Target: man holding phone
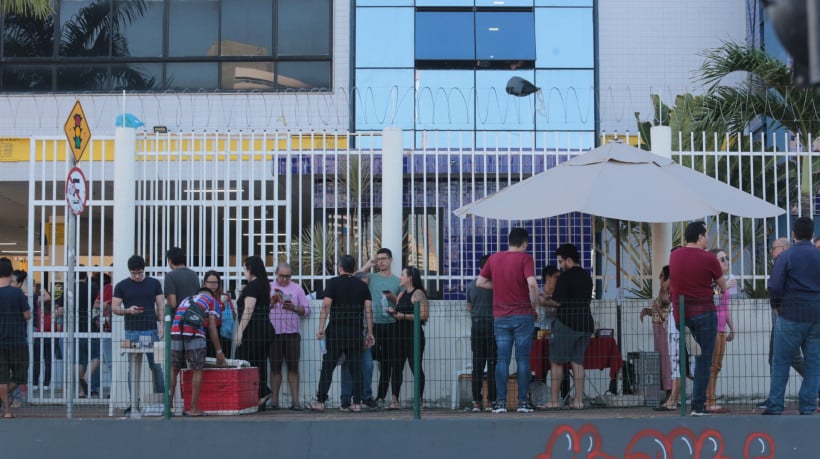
column 289, row 306
column 139, row 298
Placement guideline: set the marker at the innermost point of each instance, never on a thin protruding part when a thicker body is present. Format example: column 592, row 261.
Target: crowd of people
column 368, row 313
column 700, row 282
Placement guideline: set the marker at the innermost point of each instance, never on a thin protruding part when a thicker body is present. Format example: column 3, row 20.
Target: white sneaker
column 699, row 413
column 500, row 409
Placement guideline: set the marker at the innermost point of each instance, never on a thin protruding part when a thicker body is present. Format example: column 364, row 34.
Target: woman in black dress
column 254, row 332
column 410, row 281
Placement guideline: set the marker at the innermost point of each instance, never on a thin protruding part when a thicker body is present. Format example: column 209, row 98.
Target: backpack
column 226, row 329
column 195, row 316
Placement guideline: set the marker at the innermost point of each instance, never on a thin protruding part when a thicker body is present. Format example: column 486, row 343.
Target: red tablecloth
column 601, row 353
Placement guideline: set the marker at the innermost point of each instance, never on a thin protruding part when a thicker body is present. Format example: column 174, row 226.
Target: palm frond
column 38, row 9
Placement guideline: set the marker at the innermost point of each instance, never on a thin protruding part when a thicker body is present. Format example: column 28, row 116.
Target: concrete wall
column 652, row 47
column 535, row 436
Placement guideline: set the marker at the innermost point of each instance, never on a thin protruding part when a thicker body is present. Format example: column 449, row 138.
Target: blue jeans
column 509, row 330
column 156, row 371
column 704, row 330
column 367, row 381
column 790, row 336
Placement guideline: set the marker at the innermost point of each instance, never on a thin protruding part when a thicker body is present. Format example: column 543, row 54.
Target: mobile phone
column 287, row 297
column 386, row 291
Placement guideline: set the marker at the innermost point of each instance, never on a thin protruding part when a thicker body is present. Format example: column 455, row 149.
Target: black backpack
column 195, row 316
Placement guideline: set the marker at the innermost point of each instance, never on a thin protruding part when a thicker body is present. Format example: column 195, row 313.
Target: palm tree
column 32, row 8
column 768, row 92
column 87, row 34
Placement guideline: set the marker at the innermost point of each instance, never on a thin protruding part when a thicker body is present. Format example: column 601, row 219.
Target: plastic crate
column 648, row 375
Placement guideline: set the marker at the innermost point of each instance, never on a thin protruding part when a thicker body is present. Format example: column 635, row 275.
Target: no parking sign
column 76, row 191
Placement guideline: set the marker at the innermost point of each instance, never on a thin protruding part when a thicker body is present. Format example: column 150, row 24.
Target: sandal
column 356, row 408
column 318, row 407
column 394, row 406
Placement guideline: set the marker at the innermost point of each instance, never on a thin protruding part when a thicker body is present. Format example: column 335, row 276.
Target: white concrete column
column 661, row 232
column 392, row 181
column 125, row 155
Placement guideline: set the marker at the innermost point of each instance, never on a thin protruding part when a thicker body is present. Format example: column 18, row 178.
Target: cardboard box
column 224, row 390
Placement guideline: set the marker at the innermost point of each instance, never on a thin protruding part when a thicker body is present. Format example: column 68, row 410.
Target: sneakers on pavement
column 500, row 408
column 762, row 405
column 370, row 403
column 489, row 408
column 476, row 407
column 699, row 413
column 525, row 408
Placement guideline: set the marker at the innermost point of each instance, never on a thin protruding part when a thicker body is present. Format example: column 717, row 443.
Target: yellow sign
column 77, row 131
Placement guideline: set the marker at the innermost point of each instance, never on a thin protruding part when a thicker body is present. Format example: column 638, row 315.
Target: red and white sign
column 76, row 191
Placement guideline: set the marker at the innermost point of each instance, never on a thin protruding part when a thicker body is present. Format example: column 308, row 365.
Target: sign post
column 78, row 135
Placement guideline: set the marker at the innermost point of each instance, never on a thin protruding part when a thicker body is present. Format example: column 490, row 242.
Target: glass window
column 564, row 37
column 384, row 37
column 246, row 28
column 247, row 76
column 445, row 99
column 444, row 3
column 568, row 100
column 142, row 34
column 384, row 2
column 563, row 3
column 303, row 75
column 86, row 26
column 136, row 77
column 383, row 97
column 83, row 77
column 193, row 26
column 20, row 41
column 502, row 140
column 443, row 35
column 497, row 110
column 192, row 76
column 444, row 139
column 565, row 140
column 304, row 28
column 26, row 77
column 503, row 3
column 505, row 35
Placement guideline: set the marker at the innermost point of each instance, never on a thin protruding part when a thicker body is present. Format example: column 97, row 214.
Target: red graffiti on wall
column 585, row 442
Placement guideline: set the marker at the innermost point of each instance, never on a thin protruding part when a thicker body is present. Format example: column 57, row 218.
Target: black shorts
column 14, row 365
column 285, row 347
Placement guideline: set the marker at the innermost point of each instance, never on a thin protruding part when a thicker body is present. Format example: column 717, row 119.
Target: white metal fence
column 308, row 197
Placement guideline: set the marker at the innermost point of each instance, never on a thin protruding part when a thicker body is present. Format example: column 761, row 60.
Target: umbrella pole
column 619, row 293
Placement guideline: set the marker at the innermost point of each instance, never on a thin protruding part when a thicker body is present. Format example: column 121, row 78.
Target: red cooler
column 224, row 390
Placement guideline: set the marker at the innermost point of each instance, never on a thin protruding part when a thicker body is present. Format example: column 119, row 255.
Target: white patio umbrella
column 622, row 182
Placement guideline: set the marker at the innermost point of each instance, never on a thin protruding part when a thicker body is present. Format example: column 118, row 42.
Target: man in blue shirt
column 795, row 287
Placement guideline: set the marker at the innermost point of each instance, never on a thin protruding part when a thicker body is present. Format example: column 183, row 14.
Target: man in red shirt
column 511, row 275
column 693, row 272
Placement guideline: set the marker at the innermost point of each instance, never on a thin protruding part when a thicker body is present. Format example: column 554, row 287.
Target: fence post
column 683, row 360
column 167, row 395
column 416, row 360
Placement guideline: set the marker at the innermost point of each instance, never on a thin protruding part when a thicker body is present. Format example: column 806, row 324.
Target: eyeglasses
column 723, row 259
column 284, row 276
column 777, row 247
column 212, row 282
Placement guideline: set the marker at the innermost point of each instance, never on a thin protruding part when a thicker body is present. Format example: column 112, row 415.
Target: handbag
column 226, row 329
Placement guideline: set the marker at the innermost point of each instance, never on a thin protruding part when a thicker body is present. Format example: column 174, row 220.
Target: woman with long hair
column 213, row 281
column 724, row 319
column 254, row 332
column 659, row 312
column 410, row 281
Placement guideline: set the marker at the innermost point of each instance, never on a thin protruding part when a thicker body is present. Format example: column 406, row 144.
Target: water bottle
column 323, row 346
column 385, row 304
